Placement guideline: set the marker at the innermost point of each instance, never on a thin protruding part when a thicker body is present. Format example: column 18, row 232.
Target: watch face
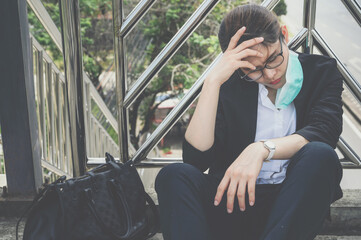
column 270, row 144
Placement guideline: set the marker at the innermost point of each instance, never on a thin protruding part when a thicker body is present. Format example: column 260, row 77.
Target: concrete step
column 329, row 237
column 7, row 232
column 345, row 213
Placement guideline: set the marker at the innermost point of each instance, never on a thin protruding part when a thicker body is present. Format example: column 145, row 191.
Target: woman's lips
column 275, row 81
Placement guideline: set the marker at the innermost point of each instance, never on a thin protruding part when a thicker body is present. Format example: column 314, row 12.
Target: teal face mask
column 293, row 85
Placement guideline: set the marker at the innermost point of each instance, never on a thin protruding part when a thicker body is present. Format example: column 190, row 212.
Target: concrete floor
column 7, row 232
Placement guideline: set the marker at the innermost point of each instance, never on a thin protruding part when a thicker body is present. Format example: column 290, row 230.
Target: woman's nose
column 269, row 73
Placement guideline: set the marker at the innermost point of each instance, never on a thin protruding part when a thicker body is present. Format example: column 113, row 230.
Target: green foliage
column 41, row 35
column 186, row 66
column 157, row 28
column 89, row 10
column 281, row 8
column 97, row 113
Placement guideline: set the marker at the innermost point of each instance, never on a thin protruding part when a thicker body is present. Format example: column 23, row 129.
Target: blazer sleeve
column 204, row 159
column 324, row 121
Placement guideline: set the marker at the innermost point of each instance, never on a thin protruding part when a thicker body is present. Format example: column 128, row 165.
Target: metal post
column 120, row 80
column 18, row 118
column 69, row 14
column 309, row 15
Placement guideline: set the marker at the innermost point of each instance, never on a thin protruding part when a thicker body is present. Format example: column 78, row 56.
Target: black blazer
column 318, row 107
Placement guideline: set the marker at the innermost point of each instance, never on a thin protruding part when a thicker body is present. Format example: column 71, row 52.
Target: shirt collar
column 263, row 92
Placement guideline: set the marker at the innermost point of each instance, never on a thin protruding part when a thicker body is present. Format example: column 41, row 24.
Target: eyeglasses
column 271, row 63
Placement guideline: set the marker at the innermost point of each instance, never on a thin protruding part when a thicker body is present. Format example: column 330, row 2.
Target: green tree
column 280, row 8
column 163, row 21
column 92, row 13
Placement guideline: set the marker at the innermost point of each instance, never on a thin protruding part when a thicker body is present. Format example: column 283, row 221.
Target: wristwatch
column 271, row 148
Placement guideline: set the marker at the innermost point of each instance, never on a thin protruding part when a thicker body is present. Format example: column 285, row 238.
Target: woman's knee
column 320, row 155
column 170, row 176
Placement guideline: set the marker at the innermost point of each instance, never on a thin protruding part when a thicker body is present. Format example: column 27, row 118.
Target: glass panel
column 293, row 19
column 337, row 26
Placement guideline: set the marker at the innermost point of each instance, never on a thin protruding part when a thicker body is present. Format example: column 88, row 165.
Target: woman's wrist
column 213, row 82
column 264, row 151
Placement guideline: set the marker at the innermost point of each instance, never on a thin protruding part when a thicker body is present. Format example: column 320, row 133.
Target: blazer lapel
column 247, row 99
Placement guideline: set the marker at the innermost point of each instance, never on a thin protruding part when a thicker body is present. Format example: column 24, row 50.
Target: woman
column 266, row 125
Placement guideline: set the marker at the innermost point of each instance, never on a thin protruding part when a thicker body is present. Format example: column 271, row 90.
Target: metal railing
column 314, row 39
column 53, row 121
column 307, row 37
column 52, row 109
column 53, row 112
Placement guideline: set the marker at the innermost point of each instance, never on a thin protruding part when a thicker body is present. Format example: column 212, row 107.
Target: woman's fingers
column 234, row 40
column 221, row 189
column 241, row 194
column 248, row 53
column 251, row 191
column 248, row 44
column 231, row 194
column 246, row 64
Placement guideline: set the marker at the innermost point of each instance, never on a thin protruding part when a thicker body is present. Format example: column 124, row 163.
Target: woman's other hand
column 232, row 57
column 242, row 172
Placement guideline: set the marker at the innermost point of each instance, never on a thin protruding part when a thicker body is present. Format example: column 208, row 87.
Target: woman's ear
column 285, row 32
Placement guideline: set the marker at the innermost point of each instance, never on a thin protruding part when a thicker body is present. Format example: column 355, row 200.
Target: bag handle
column 91, row 204
column 110, row 160
column 129, row 226
column 120, row 194
column 156, row 214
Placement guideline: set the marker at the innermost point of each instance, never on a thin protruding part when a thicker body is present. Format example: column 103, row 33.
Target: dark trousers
column 295, row 209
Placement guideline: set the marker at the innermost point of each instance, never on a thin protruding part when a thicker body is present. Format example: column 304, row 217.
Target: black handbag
column 108, row 202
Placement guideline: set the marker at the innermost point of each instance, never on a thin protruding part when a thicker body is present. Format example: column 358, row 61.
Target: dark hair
column 258, row 20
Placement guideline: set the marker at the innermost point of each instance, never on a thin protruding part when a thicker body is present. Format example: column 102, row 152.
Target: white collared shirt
column 273, row 123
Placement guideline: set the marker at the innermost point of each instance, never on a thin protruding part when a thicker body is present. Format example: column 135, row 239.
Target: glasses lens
column 255, row 75
column 276, row 62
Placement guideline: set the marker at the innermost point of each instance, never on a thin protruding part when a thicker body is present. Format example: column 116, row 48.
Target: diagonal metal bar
column 186, row 102
column 173, row 116
column 298, row 39
column 169, row 50
column 351, row 82
column 174, row 44
column 46, row 21
column 269, row 4
column 347, row 151
column 134, row 17
column 354, row 8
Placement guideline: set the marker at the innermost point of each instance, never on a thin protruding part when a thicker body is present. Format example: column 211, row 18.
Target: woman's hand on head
column 242, row 173
column 232, row 58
